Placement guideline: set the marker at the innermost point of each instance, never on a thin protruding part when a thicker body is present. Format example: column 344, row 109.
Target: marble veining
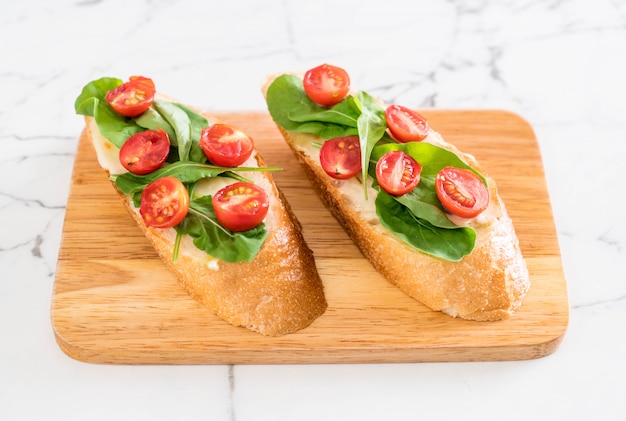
column 559, row 64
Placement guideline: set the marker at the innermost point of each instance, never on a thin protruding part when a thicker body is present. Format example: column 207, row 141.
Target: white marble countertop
column 561, row 65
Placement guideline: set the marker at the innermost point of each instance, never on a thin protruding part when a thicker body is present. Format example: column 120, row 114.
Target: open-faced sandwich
column 204, row 198
column 421, row 211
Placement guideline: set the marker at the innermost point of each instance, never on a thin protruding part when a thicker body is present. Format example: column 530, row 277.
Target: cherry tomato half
column 326, row 85
column 164, row 203
column 145, row 151
column 240, row 206
column 397, row 172
column 461, row 192
column 405, row 124
column 341, row 157
column 132, row 98
column 226, row 145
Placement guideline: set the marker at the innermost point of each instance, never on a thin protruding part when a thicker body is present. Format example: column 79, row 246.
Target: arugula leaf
column 198, row 123
column 208, row 235
column 184, row 127
column 113, row 126
column 91, row 102
column 291, row 108
column 416, row 217
column 372, row 125
column 422, row 207
column 345, row 113
column 432, row 157
column 180, row 122
column 151, row 119
column 449, row 244
column 185, row 171
column 423, row 202
column 95, row 90
column 359, row 114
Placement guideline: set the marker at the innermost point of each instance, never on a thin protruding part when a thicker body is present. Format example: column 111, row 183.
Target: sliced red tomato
column 226, row 145
column 461, row 192
column 145, row 151
column 164, row 203
column 341, row 157
column 240, row 206
column 326, row 85
column 405, row 124
column 132, row 98
column 397, row 172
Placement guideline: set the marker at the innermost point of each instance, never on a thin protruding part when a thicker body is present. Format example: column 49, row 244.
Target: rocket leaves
column 417, row 217
column 208, row 235
column 188, row 163
column 182, row 124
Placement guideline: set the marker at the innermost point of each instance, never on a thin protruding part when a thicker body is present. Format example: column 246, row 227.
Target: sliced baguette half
column 487, row 284
column 277, row 293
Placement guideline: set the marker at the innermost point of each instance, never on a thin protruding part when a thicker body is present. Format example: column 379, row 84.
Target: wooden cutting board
column 115, row 302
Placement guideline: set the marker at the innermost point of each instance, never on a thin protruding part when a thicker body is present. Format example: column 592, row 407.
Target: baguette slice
column 487, row 284
column 277, row 293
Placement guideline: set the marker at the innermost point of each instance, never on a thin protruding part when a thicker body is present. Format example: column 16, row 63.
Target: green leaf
column 372, row 125
column 113, row 126
column 291, row 108
column 184, row 127
column 449, row 244
column 91, row 102
column 185, row 171
column 432, row 157
column 153, row 120
column 208, row 235
column 180, row 122
column 423, row 202
column 198, row 123
column 361, row 115
column 418, row 217
column 345, row 113
column 95, row 90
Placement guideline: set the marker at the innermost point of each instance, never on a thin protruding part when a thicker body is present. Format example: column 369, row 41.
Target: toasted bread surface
column 488, row 284
column 277, row 293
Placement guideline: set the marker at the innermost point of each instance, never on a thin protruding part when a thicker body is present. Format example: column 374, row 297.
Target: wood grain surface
column 114, row 301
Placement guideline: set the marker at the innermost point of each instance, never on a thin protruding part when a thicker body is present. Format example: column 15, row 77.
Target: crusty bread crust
column 277, row 293
column 488, row 284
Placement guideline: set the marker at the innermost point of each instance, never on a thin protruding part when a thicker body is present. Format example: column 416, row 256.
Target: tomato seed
column 135, row 98
column 458, row 193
